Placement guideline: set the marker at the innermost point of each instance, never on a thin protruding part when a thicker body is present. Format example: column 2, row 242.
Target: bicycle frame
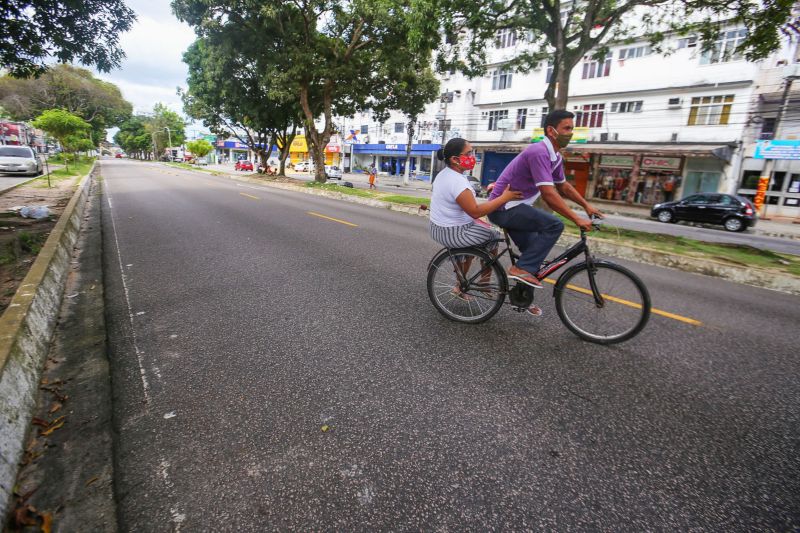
column 580, row 247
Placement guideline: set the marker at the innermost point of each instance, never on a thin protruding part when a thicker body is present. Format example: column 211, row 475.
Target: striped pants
column 465, row 236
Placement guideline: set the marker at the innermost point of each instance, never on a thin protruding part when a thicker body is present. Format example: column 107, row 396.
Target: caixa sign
column 667, row 163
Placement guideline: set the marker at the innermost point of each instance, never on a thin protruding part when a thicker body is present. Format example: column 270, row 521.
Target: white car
column 333, row 172
column 301, row 167
column 19, row 160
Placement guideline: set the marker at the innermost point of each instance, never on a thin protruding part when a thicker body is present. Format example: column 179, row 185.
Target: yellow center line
column 634, row 305
column 333, row 219
column 250, row 196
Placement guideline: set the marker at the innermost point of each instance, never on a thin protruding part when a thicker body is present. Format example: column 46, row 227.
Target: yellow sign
column 299, row 144
column 761, row 192
column 579, row 135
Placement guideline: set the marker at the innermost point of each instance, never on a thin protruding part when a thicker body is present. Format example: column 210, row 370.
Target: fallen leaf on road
column 95, row 478
column 47, row 522
column 39, row 422
column 25, row 515
column 56, row 425
column 325, row 428
column 56, row 406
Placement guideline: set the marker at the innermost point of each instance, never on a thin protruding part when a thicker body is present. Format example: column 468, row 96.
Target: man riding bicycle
column 539, row 171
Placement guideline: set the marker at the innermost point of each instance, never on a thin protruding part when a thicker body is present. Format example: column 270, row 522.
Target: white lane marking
column 169, row 415
column 142, row 373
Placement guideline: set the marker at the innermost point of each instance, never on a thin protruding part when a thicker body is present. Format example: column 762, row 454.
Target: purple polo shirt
column 537, row 166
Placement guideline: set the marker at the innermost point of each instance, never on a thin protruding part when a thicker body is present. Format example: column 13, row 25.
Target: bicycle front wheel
column 465, row 286
column 620, row 312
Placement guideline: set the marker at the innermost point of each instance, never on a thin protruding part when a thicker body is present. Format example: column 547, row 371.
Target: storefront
column 650, row 174
column 390, row 159
column 231, row 151
column 783, row 189
column 298, row 152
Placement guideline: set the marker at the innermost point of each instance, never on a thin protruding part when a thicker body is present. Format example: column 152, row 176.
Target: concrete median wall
column 26, row 328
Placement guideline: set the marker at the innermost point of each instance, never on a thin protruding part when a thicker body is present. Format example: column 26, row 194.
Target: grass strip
column 735, row 254
column 340, row 188
column 407, row 200
column 76, row 168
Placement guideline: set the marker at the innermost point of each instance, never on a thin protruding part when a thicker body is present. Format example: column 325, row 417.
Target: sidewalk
column 784, row 228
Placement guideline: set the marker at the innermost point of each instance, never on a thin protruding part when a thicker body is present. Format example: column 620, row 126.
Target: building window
column 445, row 125
column 589, row 115
column 522, row 116
column 501, row 79
column 545, row 110
column 505, row 38
column 750, row 179
column 364, row 129
column 687, row 42
column 710, row 110
column 495, row 117
column 596, row 69
column 724, row 48
column 626, row 107
column 398, row 127
column 549, row 73
column 635, row 51
column 767, row 129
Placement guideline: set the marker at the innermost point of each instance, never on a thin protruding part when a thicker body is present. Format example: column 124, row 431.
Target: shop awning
column 721, row 151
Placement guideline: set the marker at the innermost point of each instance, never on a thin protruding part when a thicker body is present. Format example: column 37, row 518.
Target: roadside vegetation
column 736, row 254
column 384, row 197
column 79, row 166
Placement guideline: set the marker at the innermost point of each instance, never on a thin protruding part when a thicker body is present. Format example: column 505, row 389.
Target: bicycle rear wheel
column 463, row 288
column 622, row 313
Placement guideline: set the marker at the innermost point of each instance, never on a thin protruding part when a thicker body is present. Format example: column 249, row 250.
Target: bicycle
column 599, row 301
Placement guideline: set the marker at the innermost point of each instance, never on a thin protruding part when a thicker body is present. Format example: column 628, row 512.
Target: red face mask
column 467, row 162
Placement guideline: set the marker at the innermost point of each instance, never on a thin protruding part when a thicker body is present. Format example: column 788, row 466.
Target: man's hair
column 555, row 117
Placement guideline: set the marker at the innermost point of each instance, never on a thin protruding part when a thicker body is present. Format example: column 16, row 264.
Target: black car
column 733, row 212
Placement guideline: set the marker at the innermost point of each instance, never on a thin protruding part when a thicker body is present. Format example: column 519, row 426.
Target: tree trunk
column 319, row 140
column 412, row 123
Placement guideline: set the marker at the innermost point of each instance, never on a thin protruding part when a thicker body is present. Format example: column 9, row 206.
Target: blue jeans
column 534, row 231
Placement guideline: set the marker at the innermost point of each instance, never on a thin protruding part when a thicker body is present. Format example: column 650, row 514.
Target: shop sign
column 794, row 186
column 666, row 163
column 778, row 149
column 333, row 148
column 761, row 192
column 618, row 161
column 299, row 144
column 392, row 147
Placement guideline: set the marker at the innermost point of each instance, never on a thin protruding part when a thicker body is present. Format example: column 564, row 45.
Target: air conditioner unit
column 674, row 137
column 609, row 137
column 675, row 103
column 505, row 124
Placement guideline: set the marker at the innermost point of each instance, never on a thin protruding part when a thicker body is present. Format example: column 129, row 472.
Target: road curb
column 765, row 279
column 756, row 277
column 26, row 328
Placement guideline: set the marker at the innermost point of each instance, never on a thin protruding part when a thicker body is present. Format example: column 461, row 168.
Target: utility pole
column 445, row 98
column 169, row 137
column 769, row 166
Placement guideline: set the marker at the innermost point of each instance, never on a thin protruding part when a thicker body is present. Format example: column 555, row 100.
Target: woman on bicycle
column 454, row 209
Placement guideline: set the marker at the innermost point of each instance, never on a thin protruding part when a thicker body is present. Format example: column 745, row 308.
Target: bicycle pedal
column 519, row 309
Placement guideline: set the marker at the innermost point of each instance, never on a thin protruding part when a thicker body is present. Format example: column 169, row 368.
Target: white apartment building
column 655, row 126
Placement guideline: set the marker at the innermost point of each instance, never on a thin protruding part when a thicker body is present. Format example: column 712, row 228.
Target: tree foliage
column 230, row 89
column 134, row 138
column 71, row 131
column 563, row 32
column 33, row 32
column 338, row 56
column 199, row 148
column 74, row 89
column 140, row 135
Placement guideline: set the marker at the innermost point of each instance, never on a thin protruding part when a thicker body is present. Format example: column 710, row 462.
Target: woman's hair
column 451, row 149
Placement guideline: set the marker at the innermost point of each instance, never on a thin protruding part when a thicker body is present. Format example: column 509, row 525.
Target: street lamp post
column 169, row 137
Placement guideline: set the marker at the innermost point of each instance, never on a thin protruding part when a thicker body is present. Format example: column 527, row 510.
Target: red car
column 243, row 164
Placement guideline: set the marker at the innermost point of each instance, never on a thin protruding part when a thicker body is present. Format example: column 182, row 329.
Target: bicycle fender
column 562, row 279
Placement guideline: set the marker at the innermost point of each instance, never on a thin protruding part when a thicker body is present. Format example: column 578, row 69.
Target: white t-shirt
column 445, row 211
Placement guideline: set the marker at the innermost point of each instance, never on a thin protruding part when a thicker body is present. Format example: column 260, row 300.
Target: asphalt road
column 277, row 370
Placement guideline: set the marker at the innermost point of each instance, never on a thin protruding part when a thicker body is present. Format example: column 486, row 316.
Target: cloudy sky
column 153, row 68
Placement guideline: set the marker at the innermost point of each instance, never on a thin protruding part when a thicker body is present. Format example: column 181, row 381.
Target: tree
column 416, row 87
column 165, row 125
column 199, row 148
column 337, row 55
column 32, row 32
column 71, row 88
column 563, row 33
column 230, row 90
column 66, row 128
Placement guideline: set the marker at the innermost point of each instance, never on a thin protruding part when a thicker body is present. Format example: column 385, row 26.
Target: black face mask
column 562, row 139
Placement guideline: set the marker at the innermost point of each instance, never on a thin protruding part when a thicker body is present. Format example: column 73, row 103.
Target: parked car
column 243, row 164
column 333, row 172
column 201, row 161
column 19, row 160
column 304, row 166
column 118, row 155
column 735, row 213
